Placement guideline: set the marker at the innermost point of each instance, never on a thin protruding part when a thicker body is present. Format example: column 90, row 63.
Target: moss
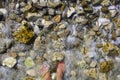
column 106, row 66
column 24, row 34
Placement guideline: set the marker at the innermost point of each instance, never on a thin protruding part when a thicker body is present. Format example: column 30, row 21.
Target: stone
column 34, row 1
column 73, row 73
column 63, row 33
column 2, row 46
column 92, row 72
column 27, row 7
column 53, row 76
column 29, row 78
column 97, row 2
column 102, row 76
column 13, row 54
column 104, row 9
column 9, row 62
column 23, row 34
column 82, row 64
column 32, row 16
column 113, row 12
column 92, row 33
column 57, row 18
column 21, row 54
column 106, row 66
column 51, row 11
column 37, row 43
column 57, row 56
column 88, row 9
column 93, row 64
column 53, row 36
column 105, row 2
column 29, row 62
column 54, row 4
column 31, row 72
column 99, row 45
column 47, row 23
column 70, row 11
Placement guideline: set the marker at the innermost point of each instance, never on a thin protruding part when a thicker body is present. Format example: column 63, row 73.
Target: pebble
column 82, row 64
column 92, row 72
column 9, row 62
column 93, row 64
column 57, row 56
column 31, row 72
column 29, row 62
column 70, row 11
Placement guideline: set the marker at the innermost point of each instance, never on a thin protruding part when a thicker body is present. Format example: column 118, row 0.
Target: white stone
column 70, row 11
column 4, row 11
column 9, row 62
column 31, row 72
column 34, row 1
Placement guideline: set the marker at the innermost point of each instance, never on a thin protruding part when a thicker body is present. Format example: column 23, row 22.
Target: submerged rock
column 9, row 62
column 29, row 62
column 23, row 34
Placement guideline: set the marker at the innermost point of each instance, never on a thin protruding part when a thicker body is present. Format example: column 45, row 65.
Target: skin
column 60, row 71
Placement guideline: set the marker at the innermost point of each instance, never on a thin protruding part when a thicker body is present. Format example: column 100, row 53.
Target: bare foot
column 60, row 70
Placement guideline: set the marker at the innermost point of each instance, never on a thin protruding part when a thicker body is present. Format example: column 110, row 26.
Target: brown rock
column 57, row 18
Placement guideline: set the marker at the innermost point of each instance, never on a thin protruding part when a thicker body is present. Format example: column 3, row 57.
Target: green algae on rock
column 29, row 62
column 106, row 66
column 23, row 34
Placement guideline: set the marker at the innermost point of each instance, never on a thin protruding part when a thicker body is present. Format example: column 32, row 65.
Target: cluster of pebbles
column 85, row 34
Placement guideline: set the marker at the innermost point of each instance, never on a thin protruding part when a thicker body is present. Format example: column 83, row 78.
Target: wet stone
column 9, row 62
column 29, row 62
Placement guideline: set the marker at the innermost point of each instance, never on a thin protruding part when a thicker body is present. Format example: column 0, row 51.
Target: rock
column 53, row 36
column 37, row 43
column 33, row 16
column 57, row 56
column 73, row 73
column 9, row 62
column 105, row 2
column 92, row 72
column 88, row 9
column 113, row 12
column 2, row 46
column 51, row 11
column 21, row 54
column 63, row 33
column 34, row 1
column 57, row 18
column 92, row 33
column 54, row 4
column 47, row 23
column 23, row 34
column 53, row 76
column 106, row 66
column 70, row 11
column 102, row 76
column 82, row 64
column 31, row 72
column 93, row 64
column 97, row 2
column 4, row 11
column 99, row 45
column 104, row 9
column 27, row 7
column 29, row 62
column 13, row 54
column 29, row 78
